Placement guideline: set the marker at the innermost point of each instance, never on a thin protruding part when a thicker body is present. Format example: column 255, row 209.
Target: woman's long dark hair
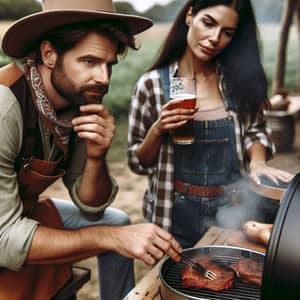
column 245, row 81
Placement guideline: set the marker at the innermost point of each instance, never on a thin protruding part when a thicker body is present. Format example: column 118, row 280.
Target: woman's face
column 210, row 31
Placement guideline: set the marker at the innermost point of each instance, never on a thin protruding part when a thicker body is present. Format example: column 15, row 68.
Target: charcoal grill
column 170, row 275
column 282, row 264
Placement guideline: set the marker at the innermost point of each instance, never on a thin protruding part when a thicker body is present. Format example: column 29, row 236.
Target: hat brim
column 24, row 33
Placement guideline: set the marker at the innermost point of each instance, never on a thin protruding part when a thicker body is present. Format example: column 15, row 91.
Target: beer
column 184, row 134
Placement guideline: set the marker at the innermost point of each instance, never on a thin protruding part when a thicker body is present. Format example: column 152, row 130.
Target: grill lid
column 282, row 264
column 170, row 274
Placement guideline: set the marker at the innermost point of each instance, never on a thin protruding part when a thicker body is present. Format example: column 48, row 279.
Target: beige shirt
column 16, row 232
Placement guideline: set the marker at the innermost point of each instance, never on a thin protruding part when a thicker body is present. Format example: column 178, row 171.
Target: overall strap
column 165, row 81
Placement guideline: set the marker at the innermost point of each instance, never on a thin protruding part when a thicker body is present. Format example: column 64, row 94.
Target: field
column 118, row 100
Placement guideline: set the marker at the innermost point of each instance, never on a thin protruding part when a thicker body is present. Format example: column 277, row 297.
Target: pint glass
column 184, row 89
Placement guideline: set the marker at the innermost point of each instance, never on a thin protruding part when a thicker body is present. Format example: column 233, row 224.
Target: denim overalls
column 210, row 161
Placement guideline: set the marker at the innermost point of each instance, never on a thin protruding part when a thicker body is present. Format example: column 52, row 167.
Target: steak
column 248, row 270
column 192, row 279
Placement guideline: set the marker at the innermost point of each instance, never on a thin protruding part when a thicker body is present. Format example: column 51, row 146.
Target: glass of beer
column 184, row 89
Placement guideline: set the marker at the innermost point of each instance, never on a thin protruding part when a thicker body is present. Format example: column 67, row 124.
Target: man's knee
column 122, row 218
column 113, row 216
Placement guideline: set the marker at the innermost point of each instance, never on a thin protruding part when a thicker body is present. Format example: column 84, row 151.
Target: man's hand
column 97, row 127
column 146, row 242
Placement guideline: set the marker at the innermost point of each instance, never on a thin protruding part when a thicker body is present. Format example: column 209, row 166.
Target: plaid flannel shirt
column 146, row 106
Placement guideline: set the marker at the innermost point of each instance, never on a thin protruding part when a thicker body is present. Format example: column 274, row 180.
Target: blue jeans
column 116, row 273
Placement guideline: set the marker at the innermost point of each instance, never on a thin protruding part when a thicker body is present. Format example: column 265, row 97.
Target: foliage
column 4, row 59
column 15, row 9
column 125, row 75
column 117, row 151
column 164, row 13
column 267, row 11
column 269, row 52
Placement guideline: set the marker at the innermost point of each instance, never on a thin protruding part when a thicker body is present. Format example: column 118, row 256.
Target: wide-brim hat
column 23, row 34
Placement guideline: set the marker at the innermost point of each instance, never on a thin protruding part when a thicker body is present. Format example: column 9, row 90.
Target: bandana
column 59, row 125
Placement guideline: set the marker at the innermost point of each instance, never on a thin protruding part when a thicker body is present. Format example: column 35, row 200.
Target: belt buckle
column 186, row 189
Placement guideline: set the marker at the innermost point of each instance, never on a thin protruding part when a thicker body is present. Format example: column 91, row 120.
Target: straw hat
column 24, row 33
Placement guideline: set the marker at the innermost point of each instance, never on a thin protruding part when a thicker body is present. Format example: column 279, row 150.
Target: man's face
column 82, row 74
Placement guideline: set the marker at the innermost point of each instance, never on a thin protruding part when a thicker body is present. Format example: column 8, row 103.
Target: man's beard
column 74, row 94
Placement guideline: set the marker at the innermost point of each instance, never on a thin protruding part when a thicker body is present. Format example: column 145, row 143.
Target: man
column 53, row 124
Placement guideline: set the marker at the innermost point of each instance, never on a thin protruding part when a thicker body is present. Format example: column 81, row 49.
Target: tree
column 290, row 7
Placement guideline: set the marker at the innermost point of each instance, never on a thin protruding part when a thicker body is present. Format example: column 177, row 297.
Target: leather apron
column 34, row 282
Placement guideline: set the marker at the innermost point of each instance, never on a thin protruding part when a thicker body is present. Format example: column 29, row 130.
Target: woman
column 215, row 42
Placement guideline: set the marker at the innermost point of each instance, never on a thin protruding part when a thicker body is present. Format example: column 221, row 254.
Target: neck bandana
column 59, row 125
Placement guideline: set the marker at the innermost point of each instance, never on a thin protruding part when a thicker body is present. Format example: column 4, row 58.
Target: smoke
column 245, row 205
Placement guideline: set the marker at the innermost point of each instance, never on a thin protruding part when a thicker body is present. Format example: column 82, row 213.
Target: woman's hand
column 259, row 168
column 172, row 118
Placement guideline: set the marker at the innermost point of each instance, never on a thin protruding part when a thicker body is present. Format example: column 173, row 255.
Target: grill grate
column 240, row 291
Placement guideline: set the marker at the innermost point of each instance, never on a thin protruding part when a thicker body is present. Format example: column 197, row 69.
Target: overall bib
column 211, row 161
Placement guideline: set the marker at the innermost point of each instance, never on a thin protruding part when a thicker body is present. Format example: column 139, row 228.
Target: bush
column 124, row 78
column 15, row 9
column 4, row 60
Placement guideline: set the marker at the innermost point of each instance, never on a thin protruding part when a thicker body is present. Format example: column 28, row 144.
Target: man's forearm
column 96, row 186
column 147, row 242
column 54, row 246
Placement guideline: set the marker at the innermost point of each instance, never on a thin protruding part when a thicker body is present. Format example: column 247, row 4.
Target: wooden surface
column 148, row 287
column 238, row 239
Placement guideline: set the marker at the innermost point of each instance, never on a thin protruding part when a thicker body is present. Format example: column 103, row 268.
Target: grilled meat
column 192, row 279
column 248, row 270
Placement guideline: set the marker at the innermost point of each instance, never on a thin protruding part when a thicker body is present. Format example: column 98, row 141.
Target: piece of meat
column 257, row 232
column 192, row 279
column 248, row 270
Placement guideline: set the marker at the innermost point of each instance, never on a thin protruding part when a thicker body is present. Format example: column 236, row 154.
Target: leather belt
column 198, row 190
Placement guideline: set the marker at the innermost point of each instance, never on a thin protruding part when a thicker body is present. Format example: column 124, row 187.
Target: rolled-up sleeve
column 93, row 210
column 257, row 133
column 16, row 232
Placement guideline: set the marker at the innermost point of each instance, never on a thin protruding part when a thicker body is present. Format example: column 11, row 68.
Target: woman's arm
column 150, row 120
column 260, row 148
